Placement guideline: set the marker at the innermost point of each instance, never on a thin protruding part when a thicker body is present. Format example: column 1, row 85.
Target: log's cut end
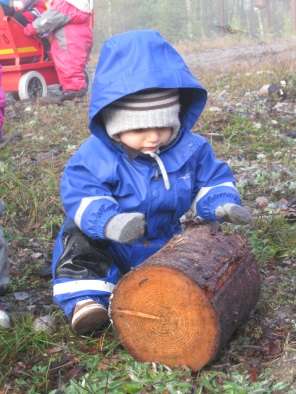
column 161, row 315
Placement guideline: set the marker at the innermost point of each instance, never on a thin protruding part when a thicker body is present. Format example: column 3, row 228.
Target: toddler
column 126, row 188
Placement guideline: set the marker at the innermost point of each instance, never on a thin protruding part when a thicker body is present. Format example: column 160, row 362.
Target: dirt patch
column 241, row 55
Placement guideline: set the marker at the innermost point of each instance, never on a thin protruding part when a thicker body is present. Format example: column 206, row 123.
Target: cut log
column 182, row 305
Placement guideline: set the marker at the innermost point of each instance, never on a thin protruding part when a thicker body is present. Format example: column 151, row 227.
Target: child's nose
column 153, row 135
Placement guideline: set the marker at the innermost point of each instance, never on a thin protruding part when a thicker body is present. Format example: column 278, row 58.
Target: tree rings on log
column 182, row 305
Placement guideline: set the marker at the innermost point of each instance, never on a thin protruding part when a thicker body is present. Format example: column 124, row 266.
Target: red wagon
column 27, row 69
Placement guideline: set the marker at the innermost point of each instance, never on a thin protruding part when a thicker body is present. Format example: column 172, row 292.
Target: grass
column 273, row 238
column 257, row 359
column 106, row 367
column 24, row 341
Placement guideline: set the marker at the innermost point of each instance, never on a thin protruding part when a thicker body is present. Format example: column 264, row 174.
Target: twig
column 68, row 363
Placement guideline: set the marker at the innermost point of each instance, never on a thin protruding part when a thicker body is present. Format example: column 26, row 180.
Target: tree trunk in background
column 189, row 19
column 222, row 15
column 243, row 17
column 183, row 304
column 197, row 19
column 293, row 11
column 201, row 17
column 268, row 9
column 252, row 18
column 110, row 30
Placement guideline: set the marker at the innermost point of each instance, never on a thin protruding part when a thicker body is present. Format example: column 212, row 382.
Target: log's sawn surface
column 183, row 304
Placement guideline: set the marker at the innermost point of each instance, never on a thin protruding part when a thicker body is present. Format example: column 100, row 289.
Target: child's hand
column 234, row 213
column 126, row 227
column 29, row 30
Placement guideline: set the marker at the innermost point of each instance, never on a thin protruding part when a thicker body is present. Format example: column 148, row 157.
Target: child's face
column 146, row 140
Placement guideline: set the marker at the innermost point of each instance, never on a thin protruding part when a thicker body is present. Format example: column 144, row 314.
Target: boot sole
column 95, row 318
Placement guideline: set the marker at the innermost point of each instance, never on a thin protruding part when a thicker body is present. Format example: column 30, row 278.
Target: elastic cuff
column 206, row 207
column 93, row 222
column 104, row 219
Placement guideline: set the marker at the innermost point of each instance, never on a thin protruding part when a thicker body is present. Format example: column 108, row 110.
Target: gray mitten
column 234, row 213
column 126, row 227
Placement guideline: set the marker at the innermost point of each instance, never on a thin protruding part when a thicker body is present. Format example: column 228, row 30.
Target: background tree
column 195, row 19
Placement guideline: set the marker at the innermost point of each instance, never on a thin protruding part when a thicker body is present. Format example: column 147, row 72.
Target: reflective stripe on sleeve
column 85, row 202
column 204, row 190
column 76, row 286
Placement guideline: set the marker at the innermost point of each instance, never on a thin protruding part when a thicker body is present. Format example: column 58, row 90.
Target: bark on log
column 183, row 304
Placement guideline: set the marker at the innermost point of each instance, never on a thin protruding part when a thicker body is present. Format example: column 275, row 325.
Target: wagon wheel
column 32, row 85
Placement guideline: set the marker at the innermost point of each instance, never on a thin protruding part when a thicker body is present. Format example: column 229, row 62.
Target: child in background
column 2, row 107
column 126, row 188
column 68, row 23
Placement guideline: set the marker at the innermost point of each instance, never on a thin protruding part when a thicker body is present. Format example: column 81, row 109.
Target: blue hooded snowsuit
column 102, row 180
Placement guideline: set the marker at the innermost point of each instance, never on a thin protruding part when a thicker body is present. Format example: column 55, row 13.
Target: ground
column 255, row 133
column 225, row 54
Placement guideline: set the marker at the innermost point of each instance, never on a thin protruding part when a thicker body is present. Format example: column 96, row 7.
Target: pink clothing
column 72, row 45
column 2, row 104
column 71, row 41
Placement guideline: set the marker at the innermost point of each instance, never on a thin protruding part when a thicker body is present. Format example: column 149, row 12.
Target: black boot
column 82, row 258
column 72, row 94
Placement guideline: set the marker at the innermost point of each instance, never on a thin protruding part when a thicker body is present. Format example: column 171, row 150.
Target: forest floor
column 256, row 134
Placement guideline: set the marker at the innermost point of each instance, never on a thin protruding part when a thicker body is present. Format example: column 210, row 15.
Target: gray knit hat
column 145, row 109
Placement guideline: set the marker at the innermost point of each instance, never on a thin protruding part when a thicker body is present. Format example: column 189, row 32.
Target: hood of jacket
column 138, row 60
